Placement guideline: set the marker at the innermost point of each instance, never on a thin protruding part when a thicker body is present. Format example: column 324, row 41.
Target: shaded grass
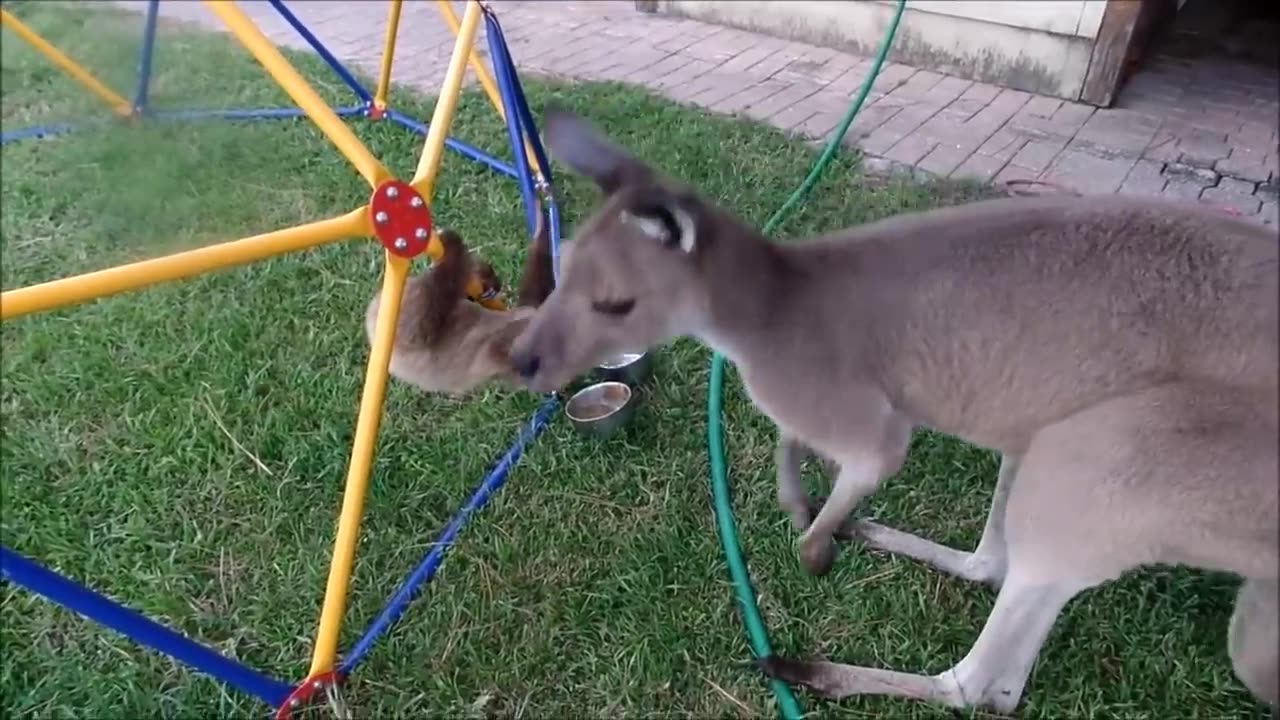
column 592, row 585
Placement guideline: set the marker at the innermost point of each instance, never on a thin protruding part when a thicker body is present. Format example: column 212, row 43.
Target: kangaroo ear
column 670, row 221
column 584, row 150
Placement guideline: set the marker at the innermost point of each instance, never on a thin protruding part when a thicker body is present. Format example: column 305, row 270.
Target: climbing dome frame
column 397, row 215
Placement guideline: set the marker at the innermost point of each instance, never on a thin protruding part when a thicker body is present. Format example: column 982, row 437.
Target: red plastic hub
column 306, row 693
column 401, row 219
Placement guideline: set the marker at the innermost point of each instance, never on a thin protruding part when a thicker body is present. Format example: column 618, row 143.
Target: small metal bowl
column 630, row 368
column 600, row 409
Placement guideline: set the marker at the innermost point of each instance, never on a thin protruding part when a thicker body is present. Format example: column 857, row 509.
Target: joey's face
column 630, row 277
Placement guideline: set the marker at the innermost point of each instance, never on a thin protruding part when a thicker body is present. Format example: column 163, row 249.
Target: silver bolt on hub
column 380, row 217
column 392, row 192
column 416, row 202
column 400, row 245
column 420, row 233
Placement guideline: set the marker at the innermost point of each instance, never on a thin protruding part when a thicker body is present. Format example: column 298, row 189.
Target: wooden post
column 1110, row 48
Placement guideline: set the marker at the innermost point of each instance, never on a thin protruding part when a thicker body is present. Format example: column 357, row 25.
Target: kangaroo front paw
column 818, row 555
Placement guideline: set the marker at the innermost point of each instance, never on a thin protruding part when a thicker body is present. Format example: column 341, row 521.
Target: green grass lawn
column 592, row 585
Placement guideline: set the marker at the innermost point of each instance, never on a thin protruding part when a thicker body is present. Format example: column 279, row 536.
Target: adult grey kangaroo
column 1121, row 355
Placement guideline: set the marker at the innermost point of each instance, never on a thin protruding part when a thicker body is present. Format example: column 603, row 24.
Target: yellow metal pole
column 433, row 149
column 93, row 285
column 388, row 52
column 66, row 64
column 485, row 77
column 300, row 90
column 366, row 435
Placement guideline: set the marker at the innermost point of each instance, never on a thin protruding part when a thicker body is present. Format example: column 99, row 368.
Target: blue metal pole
column 522, row 102
column 144, row 58
column 247, row 114
column 427, row 568
column 322, row 51
column 468, row 151
column 553, row 220
column 24, row 572
column 514, row 132
column 36, row 132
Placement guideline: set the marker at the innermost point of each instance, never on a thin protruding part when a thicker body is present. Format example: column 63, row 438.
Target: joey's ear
column 584, row 150
column 671, row 221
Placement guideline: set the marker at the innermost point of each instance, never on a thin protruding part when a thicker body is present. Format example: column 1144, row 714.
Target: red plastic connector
column 306, row 691
column 401, row 219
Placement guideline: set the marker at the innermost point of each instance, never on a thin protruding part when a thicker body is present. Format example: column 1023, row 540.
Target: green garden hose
column 757, row 635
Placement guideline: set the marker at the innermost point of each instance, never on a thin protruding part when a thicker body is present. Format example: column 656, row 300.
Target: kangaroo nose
column 526, row 364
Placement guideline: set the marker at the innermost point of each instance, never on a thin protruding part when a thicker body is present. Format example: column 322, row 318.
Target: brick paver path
column 1185, row 130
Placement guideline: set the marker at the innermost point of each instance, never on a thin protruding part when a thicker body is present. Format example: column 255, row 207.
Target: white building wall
column 1039, row 46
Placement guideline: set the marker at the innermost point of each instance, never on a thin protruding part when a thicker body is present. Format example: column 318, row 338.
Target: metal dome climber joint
column 398, row 215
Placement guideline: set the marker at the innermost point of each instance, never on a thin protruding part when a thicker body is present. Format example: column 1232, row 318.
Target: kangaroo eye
column 616, row 308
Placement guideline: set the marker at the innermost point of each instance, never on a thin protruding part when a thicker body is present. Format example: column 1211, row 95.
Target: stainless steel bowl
column 601, row 409
column 630, row 368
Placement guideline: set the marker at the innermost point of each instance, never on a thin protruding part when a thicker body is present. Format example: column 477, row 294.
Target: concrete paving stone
column 715, row 88
column 965, row 108
column 818, row 125
column 690, row 72
column 981, row 92
column 1244, row 168
column 1225, row 197
column 870, row 118
column 1145, row 178
column 818, row 64
column 636, row 56
column 1202, row 153
column 793, row 93
column 1254, row 133
column 1182, row 189
column 1010, row 98
column 918, row 85
column 767, row 66
column 910, row 150
column 828, row 100
column 948, row 129
column 1088, row 173
column 851, row 80
column 1269, row 213
column 678, row 42
column 1162, row 148
column 878, row 141
column 944, row 159
column 1013, row 172
column 1268, row 191
column 947, row 91
column 1003, row 144
column 1124, row 131
column 750, row 56
column 718, row 47
column 651, row 74
column 891, row 76
column 1004, row 106
column 1073, row 115
column 1038, row 155
column 1042, row 106
column 742, row 99
column 978, row 167
column 1190, row 174
column 850, row 86
column 1239, row 187
column 790, row 118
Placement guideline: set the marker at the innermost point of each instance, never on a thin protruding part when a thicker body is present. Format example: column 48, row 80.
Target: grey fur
column 1121, row 355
